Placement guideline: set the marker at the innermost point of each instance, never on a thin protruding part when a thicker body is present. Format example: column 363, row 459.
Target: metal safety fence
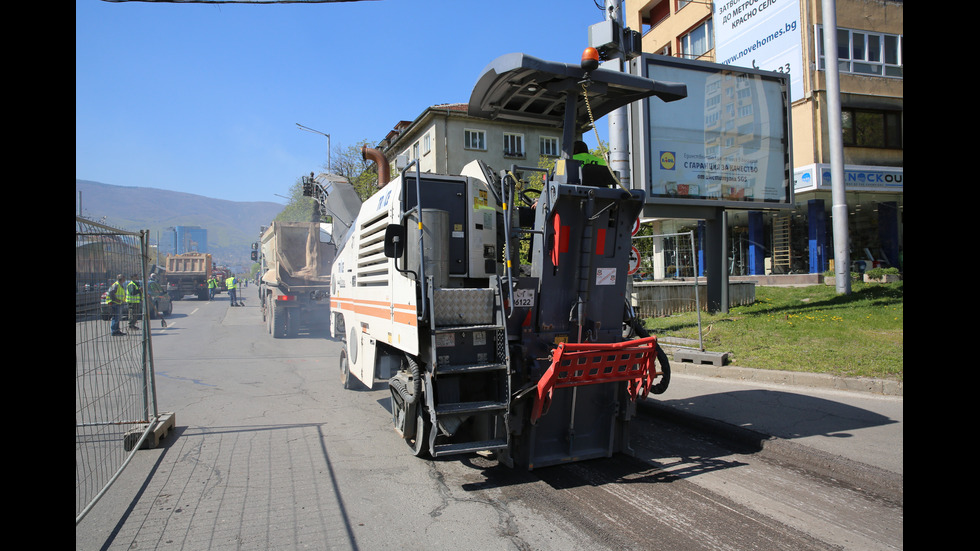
column 666, row 266
column 115, row 396
column 665, row 276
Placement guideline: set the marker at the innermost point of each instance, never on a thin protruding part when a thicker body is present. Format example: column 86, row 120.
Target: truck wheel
column 267, row 314
column 278, row 321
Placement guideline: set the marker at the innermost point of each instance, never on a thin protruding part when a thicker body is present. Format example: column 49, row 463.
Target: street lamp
column 308, row 129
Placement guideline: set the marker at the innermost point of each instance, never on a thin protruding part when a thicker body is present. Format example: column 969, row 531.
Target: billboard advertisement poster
column 761, row 34
column 726, row 144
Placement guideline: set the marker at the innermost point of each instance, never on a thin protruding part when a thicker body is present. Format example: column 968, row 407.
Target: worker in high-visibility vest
column 133, row 292
column 116, row 298
column 581, row 154
column 212, row 287
column 230, row 284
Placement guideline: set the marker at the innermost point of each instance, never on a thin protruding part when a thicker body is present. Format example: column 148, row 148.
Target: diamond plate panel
column 463, row 306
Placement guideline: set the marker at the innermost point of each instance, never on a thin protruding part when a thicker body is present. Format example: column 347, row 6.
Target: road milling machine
column 484, row 348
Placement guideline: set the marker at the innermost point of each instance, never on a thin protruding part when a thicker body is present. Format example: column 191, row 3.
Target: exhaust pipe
column 384, row 170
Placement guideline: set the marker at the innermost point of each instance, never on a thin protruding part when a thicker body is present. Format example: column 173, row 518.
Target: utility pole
column 308, row 129
column 842, row 253
column 619, row 138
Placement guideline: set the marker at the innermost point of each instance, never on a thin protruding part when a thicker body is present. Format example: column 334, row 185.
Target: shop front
column 797, row 240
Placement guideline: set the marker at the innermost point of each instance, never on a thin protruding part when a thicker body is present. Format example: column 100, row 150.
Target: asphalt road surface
column 270, row 452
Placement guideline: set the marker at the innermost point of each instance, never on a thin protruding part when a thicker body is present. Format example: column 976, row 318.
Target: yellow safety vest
column 230, row 283
column 132, row 293
column 116, row 294
column 589, row 159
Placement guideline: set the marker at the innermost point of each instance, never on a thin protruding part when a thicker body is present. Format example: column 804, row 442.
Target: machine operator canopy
column 521, row 88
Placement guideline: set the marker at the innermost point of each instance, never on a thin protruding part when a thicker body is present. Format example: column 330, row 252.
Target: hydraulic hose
column 402, row 389
column 642, row 332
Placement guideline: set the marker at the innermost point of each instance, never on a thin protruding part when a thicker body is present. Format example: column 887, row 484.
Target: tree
column 349, row 163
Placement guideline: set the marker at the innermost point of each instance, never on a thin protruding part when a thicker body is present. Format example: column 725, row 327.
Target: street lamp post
column 308, row 129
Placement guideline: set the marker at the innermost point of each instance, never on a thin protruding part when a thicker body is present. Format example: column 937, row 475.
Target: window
column 549, row 146
column 426, row 144
column 415, row 151
column 697, row 42
column 513, row 145
column 475, row 139
column 870, row 128
column 866, row 53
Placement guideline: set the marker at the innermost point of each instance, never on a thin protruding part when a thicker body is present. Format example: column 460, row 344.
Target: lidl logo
column 667, row 160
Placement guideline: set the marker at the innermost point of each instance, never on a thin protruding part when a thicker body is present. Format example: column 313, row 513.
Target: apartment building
column 787, row 36
column 443, row 138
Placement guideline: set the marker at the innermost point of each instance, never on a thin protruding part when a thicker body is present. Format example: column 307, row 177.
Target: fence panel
column 115, row 406
column 665, row 282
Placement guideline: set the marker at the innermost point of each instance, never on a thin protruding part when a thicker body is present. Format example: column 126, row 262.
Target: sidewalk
column 851, row 429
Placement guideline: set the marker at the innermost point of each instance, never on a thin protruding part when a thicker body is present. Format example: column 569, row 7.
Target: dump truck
column 187, row 274
column 221, row 273
column 483, row 348
column 294, row 282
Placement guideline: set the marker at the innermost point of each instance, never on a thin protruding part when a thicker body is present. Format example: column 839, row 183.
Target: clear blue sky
column 204, row 98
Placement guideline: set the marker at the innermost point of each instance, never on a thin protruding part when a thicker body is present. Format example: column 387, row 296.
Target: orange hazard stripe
column 403, row 313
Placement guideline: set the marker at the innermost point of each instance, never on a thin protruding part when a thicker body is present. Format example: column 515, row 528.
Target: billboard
column 762, row 34
column 727, row 144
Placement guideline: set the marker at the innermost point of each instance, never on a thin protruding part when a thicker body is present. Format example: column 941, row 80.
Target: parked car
column 160, row 297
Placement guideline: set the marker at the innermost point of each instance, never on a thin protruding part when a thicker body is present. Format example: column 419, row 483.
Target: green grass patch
column 811, row 329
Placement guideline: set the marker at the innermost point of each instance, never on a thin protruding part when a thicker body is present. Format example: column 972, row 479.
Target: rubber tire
column 661, row 387
column 278, row 321
column 345, row 377
column 420, row 443
column 292, row 321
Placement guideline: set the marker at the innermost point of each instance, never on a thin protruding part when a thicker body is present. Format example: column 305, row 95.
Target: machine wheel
column 661, row 387
column 419, row 444
column 345, row 370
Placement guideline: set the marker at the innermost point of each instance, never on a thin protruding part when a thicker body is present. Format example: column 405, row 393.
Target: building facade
column 190, row 239
column 444, row 139
column 787, row 36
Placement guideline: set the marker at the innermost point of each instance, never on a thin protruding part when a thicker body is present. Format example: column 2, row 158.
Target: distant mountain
column 232, row 225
